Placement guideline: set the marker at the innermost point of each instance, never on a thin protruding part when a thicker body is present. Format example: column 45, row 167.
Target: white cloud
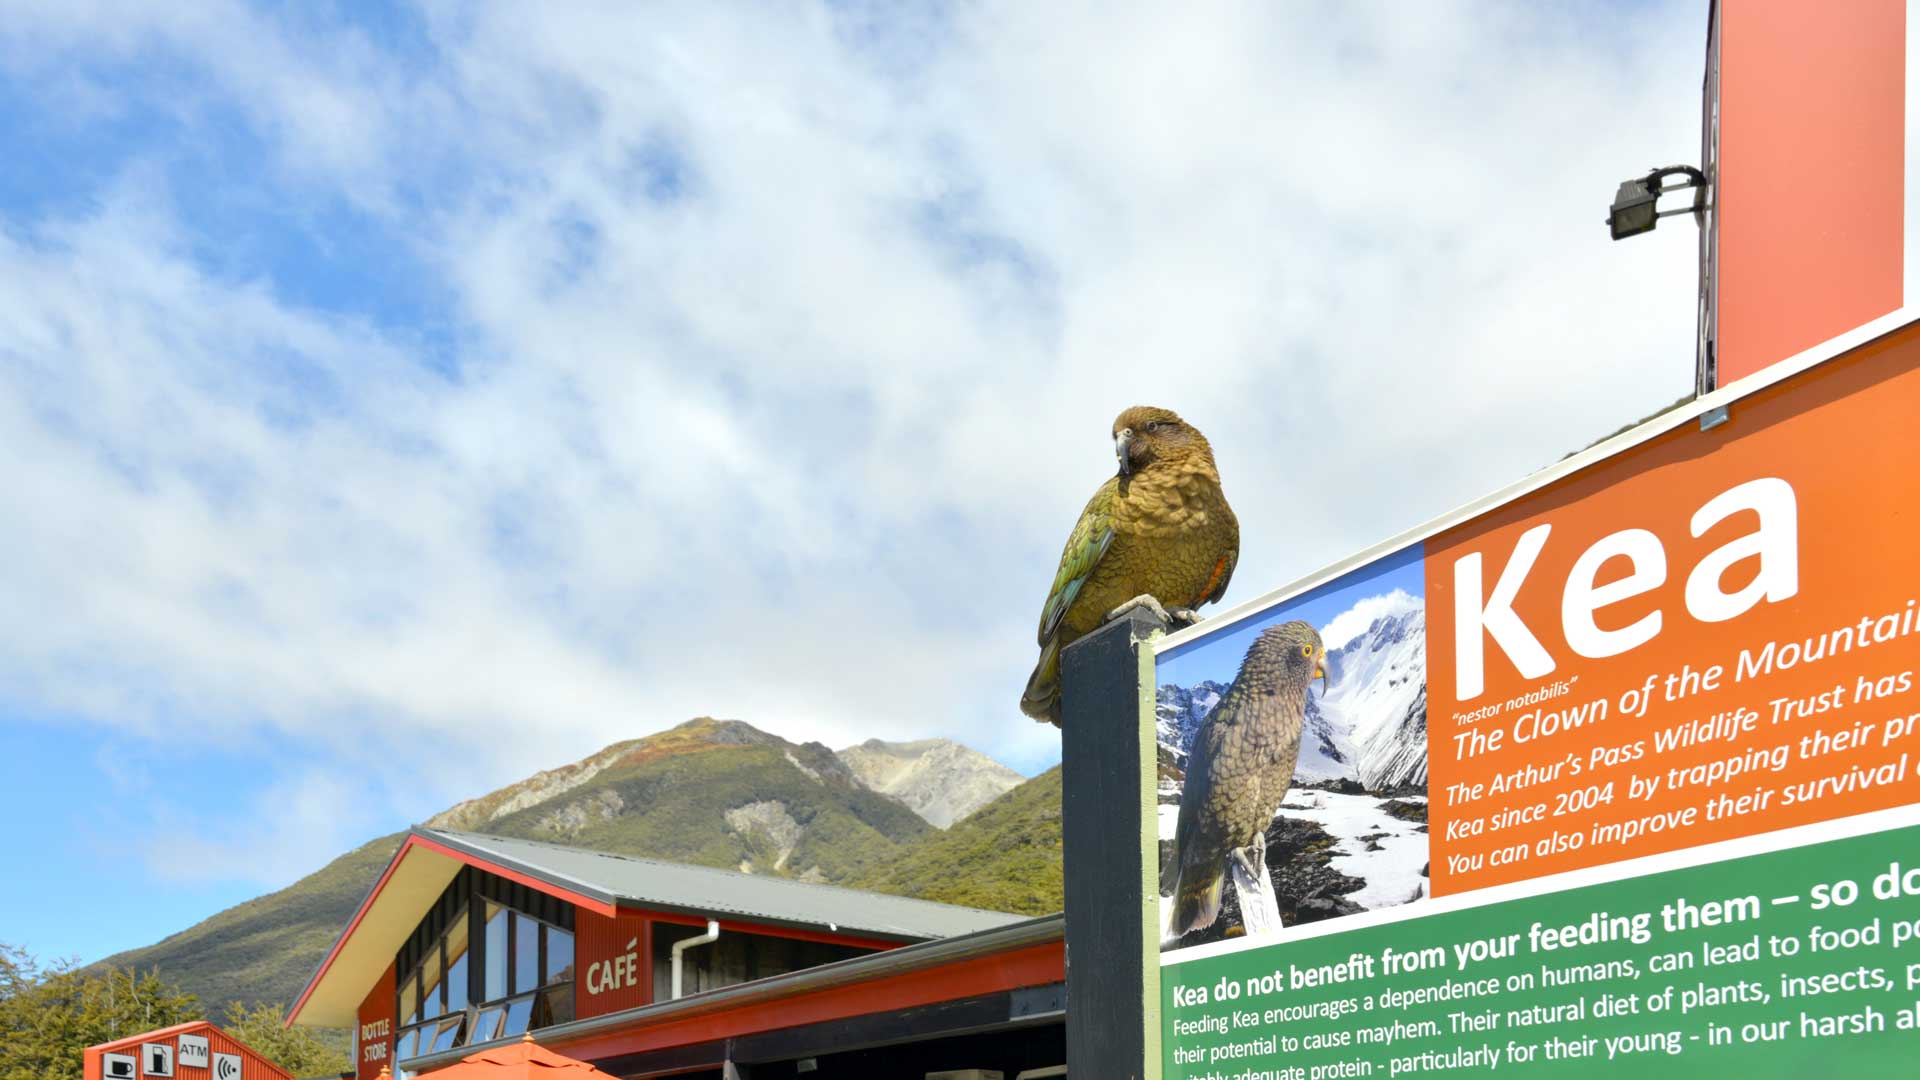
column 273, row 837
column 1354, row 621
column 786, row 347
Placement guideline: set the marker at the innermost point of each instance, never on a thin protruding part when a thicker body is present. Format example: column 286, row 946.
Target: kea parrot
column 1238, row 771
column 1158, row 534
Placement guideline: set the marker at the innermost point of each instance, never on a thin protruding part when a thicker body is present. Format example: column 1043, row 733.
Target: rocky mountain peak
column 725, row 732
column 938, row 779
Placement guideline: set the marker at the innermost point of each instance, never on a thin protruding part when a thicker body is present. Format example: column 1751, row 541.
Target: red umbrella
column 524, row 1060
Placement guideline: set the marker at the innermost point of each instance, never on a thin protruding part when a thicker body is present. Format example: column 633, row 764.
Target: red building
column 649, row 968
column 191, row 1051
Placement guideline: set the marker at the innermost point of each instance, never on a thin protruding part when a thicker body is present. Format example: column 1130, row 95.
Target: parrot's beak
column 1320, row 671
column 1122, row 449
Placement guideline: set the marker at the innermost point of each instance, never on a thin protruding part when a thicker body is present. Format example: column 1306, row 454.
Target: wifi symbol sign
column 226, row 1067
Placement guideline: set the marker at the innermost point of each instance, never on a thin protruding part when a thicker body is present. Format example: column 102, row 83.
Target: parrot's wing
column 1222, row 575
column 1194, row 796
column 1184, row 833
column 1091, row 538
column 1196, row 875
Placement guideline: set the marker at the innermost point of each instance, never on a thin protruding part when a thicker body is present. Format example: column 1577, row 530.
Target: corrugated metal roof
column 700, row 890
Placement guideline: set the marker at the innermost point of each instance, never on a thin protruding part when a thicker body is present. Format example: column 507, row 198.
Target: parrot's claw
column 1239, row 858
column 1139, row 603
column 1186, row 616
column 1252, row 859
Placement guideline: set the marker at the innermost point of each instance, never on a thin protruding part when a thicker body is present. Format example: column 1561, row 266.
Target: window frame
column 543, row 986
column 465, row 904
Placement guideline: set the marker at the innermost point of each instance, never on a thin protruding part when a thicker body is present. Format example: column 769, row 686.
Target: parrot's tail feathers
column 1196, row 904
column 1042, row 698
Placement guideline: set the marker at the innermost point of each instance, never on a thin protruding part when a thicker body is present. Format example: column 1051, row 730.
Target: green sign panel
column 1773, row 965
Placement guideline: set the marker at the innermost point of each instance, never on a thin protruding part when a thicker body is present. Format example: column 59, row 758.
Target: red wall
column 1812, row 184
column 611, row 966
column 606, row 980
column 376, row 1031
column 1036, row 965
column 252, row 1065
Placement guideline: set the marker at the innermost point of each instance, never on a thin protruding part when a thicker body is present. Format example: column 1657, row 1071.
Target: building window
column 526, row 953
column 535, row 959
column 437, row 1016
column 490, row 961
column 496, row 945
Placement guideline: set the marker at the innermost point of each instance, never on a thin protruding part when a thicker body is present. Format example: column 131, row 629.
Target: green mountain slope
column 1006, row 856
column 717, row 793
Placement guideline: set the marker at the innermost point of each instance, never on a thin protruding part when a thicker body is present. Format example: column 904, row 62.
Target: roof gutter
column 680, row 955
column 880, row 965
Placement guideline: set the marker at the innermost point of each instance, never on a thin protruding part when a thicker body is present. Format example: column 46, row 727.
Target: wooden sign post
column 1111, row 834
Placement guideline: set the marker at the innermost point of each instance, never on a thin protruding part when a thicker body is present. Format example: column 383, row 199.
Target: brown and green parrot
column 1238, row 771
column 1159, row 534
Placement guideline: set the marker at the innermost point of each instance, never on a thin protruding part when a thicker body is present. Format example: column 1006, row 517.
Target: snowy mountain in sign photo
column 1378, row 692
column 1325, row 754
column 1180, row 710
column 1370, row 726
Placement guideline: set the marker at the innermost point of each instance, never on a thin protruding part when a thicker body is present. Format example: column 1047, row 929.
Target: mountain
column 712, row 792
column 939, row 779
column 1370, row 725
column 724, row 793
column 1005, row 857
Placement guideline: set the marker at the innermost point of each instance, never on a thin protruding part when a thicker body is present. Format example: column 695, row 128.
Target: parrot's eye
column 1306, row 650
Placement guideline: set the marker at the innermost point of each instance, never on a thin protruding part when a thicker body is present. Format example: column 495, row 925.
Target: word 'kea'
column 1238, row 772
column 1158, row 535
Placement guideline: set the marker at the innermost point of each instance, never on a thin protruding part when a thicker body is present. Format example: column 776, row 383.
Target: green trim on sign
column 1149, row 817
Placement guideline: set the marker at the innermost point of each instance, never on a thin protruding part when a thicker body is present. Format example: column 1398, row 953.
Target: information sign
column 1623, row 768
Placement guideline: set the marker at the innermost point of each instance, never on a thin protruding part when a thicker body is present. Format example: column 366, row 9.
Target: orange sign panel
column 1711, row 635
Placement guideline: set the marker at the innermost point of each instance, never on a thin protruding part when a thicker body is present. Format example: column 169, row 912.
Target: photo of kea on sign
column 1238, row 773
column 1293, row 759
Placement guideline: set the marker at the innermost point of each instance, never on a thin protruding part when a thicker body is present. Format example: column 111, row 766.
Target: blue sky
column 402, row 398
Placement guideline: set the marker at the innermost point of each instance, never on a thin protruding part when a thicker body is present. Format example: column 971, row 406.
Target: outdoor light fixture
column 1635, row 205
